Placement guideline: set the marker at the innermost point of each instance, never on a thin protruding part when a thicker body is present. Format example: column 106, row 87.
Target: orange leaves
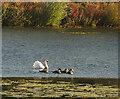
column 30, row 7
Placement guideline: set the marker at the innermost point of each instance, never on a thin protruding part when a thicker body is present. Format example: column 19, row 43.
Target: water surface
column 91, row 52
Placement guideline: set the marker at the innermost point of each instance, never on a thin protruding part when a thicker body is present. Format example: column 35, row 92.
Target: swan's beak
column 47, row 61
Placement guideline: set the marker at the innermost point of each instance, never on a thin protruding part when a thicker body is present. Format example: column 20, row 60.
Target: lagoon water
column 91, row 52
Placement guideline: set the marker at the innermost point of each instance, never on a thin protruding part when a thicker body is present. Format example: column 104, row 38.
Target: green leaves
column 57, row 13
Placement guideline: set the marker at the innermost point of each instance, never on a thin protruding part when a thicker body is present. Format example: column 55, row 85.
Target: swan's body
column 45, row 70
column 39, row 65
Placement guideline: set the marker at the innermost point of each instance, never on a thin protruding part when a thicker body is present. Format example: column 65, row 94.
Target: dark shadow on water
column 104, row 81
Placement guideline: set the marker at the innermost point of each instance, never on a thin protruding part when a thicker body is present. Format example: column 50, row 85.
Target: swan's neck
column 46, row 65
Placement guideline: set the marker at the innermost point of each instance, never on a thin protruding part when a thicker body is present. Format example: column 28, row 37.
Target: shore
column 23, row 87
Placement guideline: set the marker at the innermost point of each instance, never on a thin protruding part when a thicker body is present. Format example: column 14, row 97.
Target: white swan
column 39, row 65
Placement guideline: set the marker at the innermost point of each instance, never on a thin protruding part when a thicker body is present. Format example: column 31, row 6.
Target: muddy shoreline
column 58, row 87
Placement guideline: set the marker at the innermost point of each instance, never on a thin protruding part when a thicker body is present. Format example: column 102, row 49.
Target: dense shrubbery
column 13, row 14
column 56, row 14
column 83, row 14
column 111, row 16
column 33, row 14
column 42, row 14
column 92, row 14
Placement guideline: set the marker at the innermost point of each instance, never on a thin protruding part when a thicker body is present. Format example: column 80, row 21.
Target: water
column 91, row 52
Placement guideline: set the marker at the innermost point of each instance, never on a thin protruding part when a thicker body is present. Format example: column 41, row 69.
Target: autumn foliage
column 60, row 14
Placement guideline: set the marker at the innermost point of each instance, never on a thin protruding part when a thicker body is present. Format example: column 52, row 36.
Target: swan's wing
column 41, row 69
column 38, row 64
column 41, row 65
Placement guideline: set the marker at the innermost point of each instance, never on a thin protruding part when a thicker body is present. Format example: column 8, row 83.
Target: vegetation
column 60, row 14
column 58, row 87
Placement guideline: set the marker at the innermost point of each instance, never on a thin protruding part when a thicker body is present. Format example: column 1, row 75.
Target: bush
column 60, row 13
column 13, row 14
column 83, row 14
column 33, row 14
column 111, row 17
column 92, row 14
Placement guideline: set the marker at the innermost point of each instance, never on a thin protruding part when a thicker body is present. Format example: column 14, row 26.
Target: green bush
column 49, row 13
column 33, row 14
column 57, row 11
